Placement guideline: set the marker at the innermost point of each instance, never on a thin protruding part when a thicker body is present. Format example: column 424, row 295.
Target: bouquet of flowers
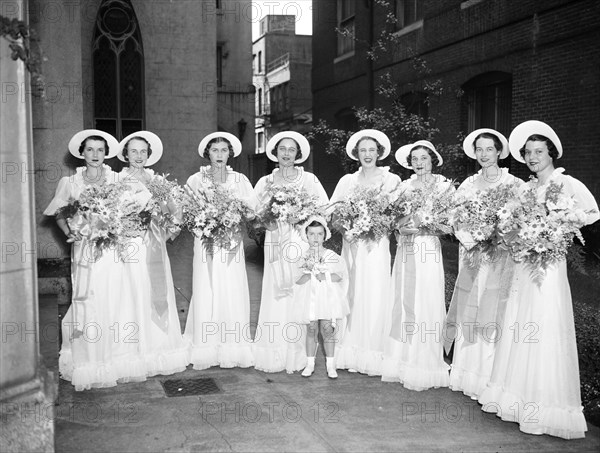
column 312, row 264
column 540, row 233
column 107, row 216
column 477, row 215
column 432, row 204
column 364, row 214
column 289, row 204
column 215, row 214
column 166, row 202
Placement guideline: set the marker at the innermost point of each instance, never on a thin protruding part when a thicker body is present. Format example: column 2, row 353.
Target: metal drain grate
column 190, row 387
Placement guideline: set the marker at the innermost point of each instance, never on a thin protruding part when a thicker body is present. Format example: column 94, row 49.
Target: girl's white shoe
column 310, row 367
column 331, row 371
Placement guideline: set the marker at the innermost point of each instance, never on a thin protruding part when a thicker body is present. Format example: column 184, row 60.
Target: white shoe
column 310, row 367
column 331, row 371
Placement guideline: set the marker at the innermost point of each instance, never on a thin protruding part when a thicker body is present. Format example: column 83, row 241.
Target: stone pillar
column 26, row 388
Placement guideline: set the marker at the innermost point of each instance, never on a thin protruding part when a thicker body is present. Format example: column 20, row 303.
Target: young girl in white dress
column 149, row 269
column 99, row 337
column 278, row 341
column 218, row 323
column 361, row 346
column 320, row 293
column 414, row 353
column 481, row 288
column 535, row 379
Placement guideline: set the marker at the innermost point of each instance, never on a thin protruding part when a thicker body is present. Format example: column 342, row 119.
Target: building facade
column 498, row 63
column 281, row 74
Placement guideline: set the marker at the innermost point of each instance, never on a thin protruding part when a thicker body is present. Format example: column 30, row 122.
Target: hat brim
column 311, row 219
column 235, row 143
column 155, row 144
column 469, row 139
column 518, row 137
column 403, row 152
column 299, row 138
column 79, row 137
column 373, row 133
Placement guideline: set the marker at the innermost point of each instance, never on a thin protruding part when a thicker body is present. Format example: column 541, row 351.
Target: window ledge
column 468, row 3
column 410, row 27
column 343, row 57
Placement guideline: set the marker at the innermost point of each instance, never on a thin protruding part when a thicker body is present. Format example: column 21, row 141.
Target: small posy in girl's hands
column 540, row 233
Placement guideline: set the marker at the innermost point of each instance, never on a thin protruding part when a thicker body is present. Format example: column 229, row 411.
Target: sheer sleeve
column 246, row 192
column 260, row 190
column 585, row 199
column 341, row 191
column 314, row 186
column 62, row 197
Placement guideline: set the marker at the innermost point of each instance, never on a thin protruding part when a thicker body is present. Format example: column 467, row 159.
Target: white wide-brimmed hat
column 235, row 142
column 75, row 142
column 469, row 139
column 520, row 134
column 155, row 145
column 373, row 133
column 311, row 219
column 300, row 139
column 404, row 151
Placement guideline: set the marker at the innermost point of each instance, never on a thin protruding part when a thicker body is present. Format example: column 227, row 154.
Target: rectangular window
column 260, row 139
column 490, row 106
column 259, row 61
column 407, row 12
column 345, row 26
column 260, row 101
column 219, row 66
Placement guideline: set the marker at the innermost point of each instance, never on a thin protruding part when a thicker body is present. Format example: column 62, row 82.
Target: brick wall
column 550, row 49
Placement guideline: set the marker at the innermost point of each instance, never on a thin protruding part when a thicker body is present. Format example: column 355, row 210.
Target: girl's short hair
column 497, row 142
column 552, row 151
column 126, row 147
column 434, row 159
column 94, row 137
column 380, row 147
column 286, row 138
column 219, row 140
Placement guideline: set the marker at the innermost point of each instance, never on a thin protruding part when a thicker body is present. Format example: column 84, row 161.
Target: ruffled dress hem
column 417, row 379
column 277, row 359
column 362, row 360
column 468, row 382
column 90, row 375
column 167, row 362
column 222, row 355
column 533, row 417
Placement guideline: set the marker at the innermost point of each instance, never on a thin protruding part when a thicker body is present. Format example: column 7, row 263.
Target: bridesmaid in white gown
column 361, row 346
column 149, row 272
column 279, row 340
column 414, row 353
column 481, row 290
column 535, row 379
column 99, row 347
column 218, row 323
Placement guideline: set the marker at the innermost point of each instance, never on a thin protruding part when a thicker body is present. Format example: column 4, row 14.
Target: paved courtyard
column 248, row 410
